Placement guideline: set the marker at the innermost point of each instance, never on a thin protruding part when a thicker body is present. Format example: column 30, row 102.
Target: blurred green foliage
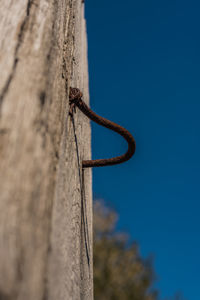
column 120, row 273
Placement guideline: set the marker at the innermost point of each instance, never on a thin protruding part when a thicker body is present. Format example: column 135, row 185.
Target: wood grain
column 43, row 51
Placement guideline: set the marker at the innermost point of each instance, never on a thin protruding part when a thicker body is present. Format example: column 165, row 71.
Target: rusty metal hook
column 75, row 98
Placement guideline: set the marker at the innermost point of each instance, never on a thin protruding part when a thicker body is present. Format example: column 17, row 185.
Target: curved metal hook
column 75, row 98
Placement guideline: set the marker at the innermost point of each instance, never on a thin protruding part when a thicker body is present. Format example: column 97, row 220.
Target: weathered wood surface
column 43, row 228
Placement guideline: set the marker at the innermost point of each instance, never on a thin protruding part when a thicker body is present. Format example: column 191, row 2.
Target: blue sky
column 144, row 64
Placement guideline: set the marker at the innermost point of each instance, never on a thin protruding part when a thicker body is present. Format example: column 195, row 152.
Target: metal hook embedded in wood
column 75, row 98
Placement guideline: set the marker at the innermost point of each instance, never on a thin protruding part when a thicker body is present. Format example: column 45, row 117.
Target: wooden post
column 45, row 207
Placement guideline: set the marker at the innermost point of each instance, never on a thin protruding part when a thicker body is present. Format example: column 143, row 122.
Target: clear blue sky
column 144, row 63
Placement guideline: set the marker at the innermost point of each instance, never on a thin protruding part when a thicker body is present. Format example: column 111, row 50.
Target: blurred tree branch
column 119, row 270
column 120, row 273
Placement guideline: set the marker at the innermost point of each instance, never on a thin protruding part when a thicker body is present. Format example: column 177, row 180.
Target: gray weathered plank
column 43, row 243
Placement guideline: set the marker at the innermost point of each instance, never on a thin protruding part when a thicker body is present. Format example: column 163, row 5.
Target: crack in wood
column 16, row 59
